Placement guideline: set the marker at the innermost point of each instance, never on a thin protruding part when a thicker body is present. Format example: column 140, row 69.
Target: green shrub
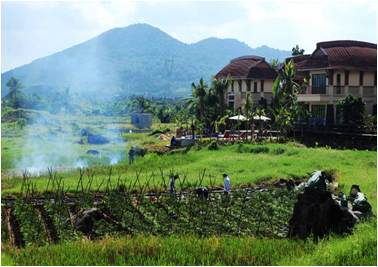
column 278, row 151
column 259, row 149
column 213, row 146
column 140, row 151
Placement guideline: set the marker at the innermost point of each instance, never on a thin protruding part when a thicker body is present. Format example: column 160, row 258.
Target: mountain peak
column 138, row 58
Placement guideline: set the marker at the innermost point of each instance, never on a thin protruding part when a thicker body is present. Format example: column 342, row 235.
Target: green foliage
column 213, row 146
column 274, row 62
column 14, row 86
column 297, row 51
column 356, row 249
column 221, row 86
column 370, row 123
column 22, row 123
column 141, row 104
column 351, row 109
column 286, row 108
column 14, row 115
column 165, row 114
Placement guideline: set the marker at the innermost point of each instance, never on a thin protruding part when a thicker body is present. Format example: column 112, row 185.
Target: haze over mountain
column 138, row 59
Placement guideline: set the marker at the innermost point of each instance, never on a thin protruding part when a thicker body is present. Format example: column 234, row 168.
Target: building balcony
column 335, row 92
column 315, row 93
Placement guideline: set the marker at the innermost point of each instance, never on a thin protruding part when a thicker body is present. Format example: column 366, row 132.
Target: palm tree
column 15, row 86
column 141, row 104
column 200, row 92
column 248, row 109
column 63, row 99
column 66, row 99
column 286, row 109
column 221, row 86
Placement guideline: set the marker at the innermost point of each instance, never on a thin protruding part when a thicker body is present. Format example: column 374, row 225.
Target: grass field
column 357, row 249
column 246, row 164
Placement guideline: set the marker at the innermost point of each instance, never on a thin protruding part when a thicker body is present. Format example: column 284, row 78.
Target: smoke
column 114, row 135
column 53, row 142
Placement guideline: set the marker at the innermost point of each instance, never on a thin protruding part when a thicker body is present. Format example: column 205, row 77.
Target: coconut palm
column 248, row 110
column 14, row 86
column 221, row 86
column 200, row 92
column 141, row 104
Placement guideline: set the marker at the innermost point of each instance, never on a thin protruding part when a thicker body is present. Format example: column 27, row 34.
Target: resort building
column 335, row 69
column 249, row 74
column 332, row 71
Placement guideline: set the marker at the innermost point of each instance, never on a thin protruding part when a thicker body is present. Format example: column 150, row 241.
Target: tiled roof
column 247, row 67
column 342, row 55
column 299, row 62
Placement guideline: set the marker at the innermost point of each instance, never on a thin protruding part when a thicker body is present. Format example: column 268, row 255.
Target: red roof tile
column 343, row 55
column 247, row 67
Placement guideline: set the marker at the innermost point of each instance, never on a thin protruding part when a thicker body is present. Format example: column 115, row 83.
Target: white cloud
column 106, row 15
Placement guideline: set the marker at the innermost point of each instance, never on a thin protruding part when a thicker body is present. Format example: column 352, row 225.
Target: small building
column 249, row 74
column 141, row 120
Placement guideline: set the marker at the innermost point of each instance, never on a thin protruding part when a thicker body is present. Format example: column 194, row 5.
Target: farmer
column 227, row 183
column 173, row 141
column 172, row 183
column 131, row 155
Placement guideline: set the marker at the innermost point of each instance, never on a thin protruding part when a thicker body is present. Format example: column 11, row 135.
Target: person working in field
column 131, row 155
column 172, row 183
column 227, row 184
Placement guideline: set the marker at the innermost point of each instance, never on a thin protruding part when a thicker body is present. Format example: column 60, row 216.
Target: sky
column 30, row 30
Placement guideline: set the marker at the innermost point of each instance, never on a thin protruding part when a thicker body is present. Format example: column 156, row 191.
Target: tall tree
column 221, row 86
column 248, row 110
column 141, row 104
column 14, row 86
column 63, row 100
column 351, row 109
column 297, row 51
column 286, row 108
column 274, row 62
column 200, row 91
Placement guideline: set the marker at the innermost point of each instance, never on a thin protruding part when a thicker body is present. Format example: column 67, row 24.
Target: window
column 248, row 85
column 240, row 85
column 318, row 83
column 318, row 111
column 243, row 95
column 231, row 97
column 361, row 78
column 231, row 105
column 338, row 84
column 255, row 87
column 262, row 86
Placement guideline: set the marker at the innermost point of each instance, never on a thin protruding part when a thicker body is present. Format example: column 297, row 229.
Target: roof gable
column 343, row 55
column 248, row 67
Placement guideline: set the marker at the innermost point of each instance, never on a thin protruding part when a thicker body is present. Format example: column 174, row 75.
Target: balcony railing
column 339, row 90
column 321, row 90
column 368, row 91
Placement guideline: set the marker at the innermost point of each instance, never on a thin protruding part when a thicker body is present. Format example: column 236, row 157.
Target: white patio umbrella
column 238, row 118
column 261, row 118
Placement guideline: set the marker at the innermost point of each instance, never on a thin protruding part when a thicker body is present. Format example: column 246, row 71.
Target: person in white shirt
column 227, row 183
column 172, row 183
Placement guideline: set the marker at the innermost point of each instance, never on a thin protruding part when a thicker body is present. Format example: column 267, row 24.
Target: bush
column 213, row 146
column 278, row 151
column 259, row 149
column 140, row 151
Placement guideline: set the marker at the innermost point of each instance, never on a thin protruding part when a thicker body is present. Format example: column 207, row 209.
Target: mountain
column 137, row 59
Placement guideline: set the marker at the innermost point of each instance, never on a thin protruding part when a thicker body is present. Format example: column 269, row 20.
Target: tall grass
column 243, row 165
column 357, row 249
